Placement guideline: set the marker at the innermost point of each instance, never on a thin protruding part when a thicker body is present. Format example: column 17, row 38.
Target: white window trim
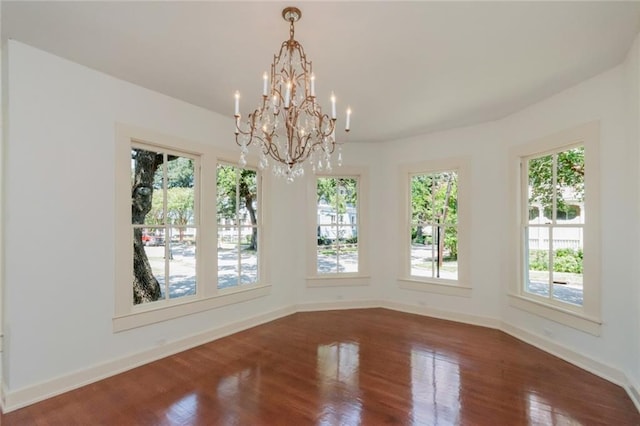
column 588, row 317
column 126, row 314
column 461, row 286
column 362, row 277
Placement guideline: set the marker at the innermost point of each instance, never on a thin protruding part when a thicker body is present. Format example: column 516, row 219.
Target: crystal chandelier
column 288, row 125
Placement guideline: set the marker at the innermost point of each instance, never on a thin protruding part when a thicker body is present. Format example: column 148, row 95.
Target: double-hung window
column 338, row 229
column 558, row 219
column 337, row 212
column 187, row 232
column 434, row 235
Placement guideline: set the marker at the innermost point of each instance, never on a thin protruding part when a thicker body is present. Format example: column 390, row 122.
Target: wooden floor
column 368, row 366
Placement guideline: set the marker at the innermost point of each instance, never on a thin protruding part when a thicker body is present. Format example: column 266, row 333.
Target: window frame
column 461, row 286
column 126, row 314
column 586, row 318
column 362, row 277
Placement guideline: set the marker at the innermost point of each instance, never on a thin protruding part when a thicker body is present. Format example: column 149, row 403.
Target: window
column 169, row 261
column 163, row 217
column 337, row 229
column 554, row 244
column 238, row 225
column 559, row 244
column 337, row 211
column 434, row 225
column 434, row 254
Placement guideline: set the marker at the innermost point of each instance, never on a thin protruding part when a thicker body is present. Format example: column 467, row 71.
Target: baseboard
column 22, row 397
column 598, row 368
column 445, row 315
column 633, row 389
column 337, row 305
column 3, row 392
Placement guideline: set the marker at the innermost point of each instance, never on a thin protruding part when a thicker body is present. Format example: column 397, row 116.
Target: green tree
column 569, row 175
column 238, row 185
column 338, row 192
column 147, row 208
column 144, row 166
column 434, row 202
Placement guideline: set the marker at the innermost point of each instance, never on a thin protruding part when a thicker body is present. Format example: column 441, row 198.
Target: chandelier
column 288, row 125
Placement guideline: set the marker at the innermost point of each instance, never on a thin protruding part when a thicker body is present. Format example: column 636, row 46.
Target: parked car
column 152, row 240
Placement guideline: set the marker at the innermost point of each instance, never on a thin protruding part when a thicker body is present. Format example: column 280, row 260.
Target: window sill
column 576, row 320
column 438, row 287
column 336, row 280
column 167, row 312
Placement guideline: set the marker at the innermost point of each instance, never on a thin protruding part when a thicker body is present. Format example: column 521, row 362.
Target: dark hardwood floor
column 366, row 366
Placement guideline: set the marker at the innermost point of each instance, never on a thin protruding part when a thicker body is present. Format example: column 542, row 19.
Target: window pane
column 423, row 259
column 570, row 177
column 249, row 255
column 180, row 195
column 448, row 269
column 327, row 256
column 537, row 267
column 226, row 194
column 541, row 188
column 149, row 265
column 182, row 262
column 147, row 195
column 349, row 258
column 228, row 267
column 567, row 265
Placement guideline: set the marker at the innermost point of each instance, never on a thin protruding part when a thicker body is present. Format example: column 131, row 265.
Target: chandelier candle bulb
column 237, row 96
column 333, row 106
column 287, row 96
column 313, row 85
column 265, row 84
column 348, row 123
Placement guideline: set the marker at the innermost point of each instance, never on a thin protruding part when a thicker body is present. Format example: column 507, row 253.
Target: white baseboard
column 445, row 315
column 14, row 400
column 598, row 368
column 633, row 389
column 337, row 305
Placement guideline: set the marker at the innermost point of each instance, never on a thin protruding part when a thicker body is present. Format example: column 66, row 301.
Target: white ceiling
column 405, row 68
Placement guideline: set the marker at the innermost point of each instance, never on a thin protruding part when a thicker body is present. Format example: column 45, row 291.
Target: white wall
column 59, row 217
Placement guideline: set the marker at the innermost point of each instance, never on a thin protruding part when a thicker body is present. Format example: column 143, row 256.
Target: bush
column 564, row 260
column 568, row 260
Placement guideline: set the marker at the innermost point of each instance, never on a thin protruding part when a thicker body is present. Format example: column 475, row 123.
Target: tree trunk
column 145, row 286
column 254, row 231
column 443, row 231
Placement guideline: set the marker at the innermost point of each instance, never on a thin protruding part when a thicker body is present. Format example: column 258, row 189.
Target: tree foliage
column 568, row 182
column 434, row 204
column 235, row 186
column 338, row 192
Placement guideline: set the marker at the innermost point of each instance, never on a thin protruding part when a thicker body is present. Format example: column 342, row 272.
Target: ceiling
column 405, row 68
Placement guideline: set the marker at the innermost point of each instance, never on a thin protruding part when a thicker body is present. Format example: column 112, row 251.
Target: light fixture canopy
column 289, row 126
